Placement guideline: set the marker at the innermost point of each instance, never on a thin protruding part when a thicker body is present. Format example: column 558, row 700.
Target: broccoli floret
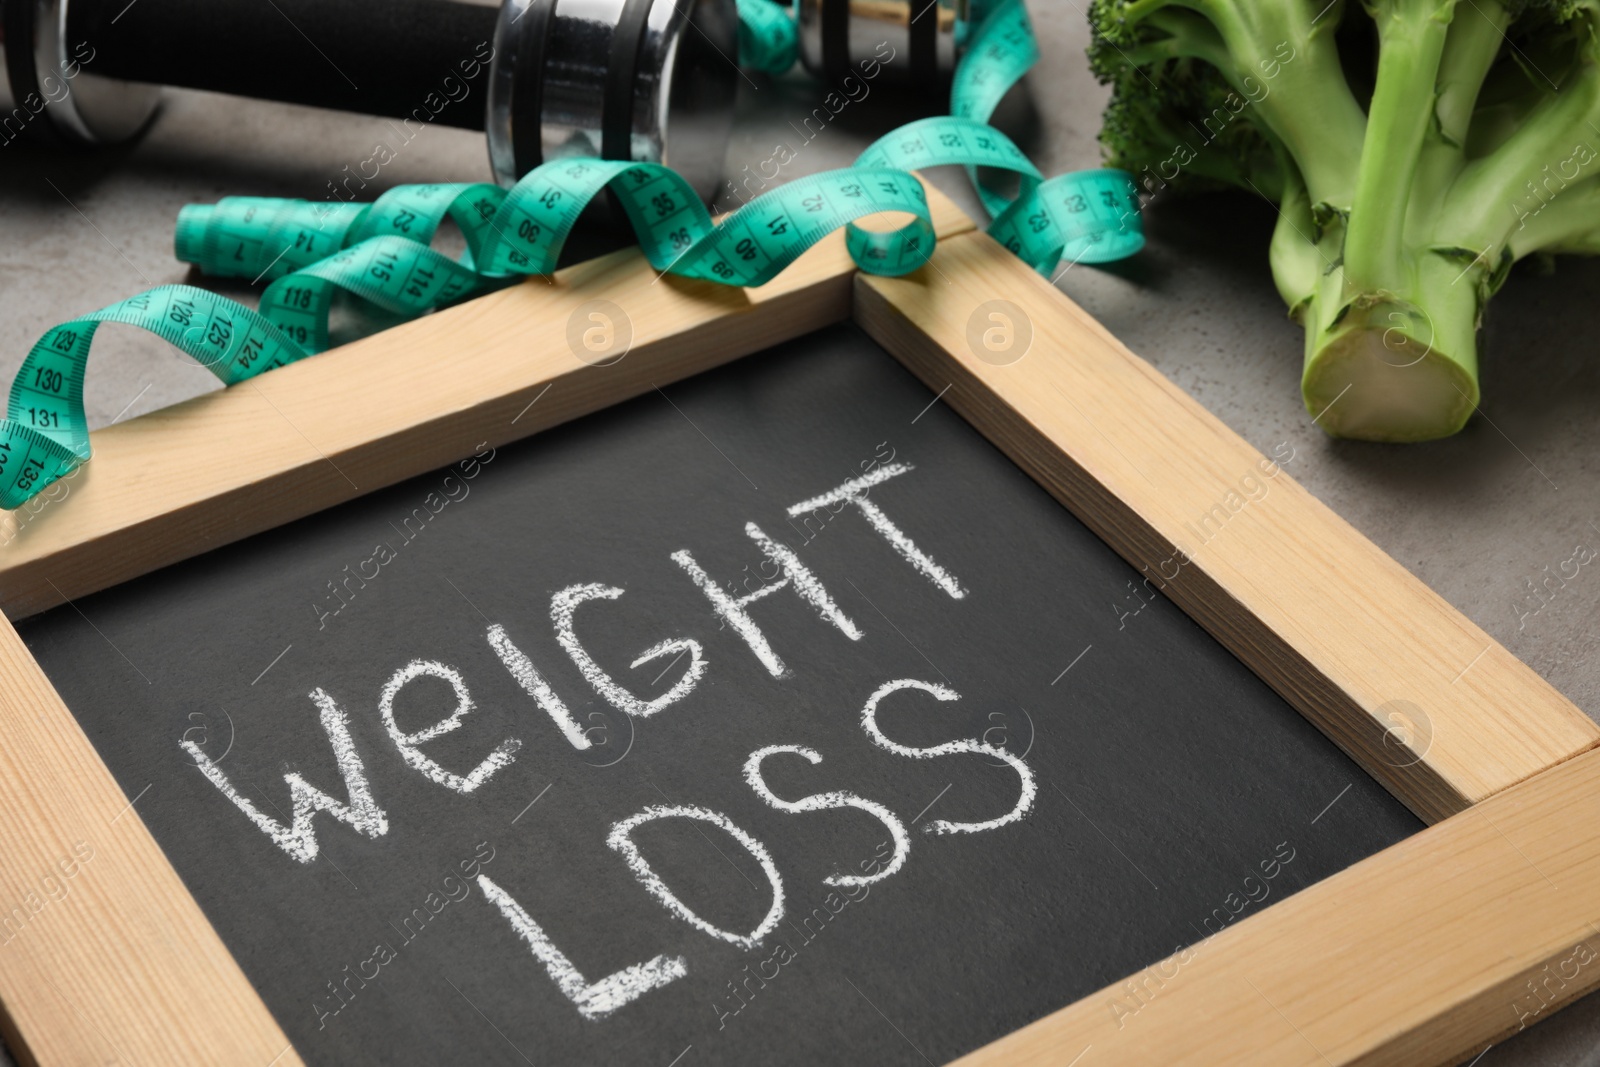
column 1415, row 149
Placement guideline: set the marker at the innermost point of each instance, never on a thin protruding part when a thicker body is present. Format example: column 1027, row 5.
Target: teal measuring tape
column 306, row 248
column 768, row 40
column 998, row 54
column 1088, row 216
column 379, row 253
column 44, row 434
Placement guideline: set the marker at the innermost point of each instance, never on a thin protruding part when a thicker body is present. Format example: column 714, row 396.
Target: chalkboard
column 502, row 764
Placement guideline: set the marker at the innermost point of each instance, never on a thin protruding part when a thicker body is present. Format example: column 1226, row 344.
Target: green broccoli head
column 1161, row 92
column 1415, row 150
column 1192, row 130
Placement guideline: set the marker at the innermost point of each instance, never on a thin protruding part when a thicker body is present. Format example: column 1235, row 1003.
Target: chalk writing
column 407, row 743
column 826, row 801
column 594, row 1000
column 869, row 722
column 599, row 998
column 299, row 839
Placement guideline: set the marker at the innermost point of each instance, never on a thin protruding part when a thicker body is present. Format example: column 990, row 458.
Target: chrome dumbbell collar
column 48, row 82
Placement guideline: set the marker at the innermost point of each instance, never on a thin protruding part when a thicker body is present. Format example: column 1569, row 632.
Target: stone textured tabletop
column 1484, row 517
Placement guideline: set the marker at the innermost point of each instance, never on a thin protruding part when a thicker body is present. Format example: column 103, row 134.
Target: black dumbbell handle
column 424, row 59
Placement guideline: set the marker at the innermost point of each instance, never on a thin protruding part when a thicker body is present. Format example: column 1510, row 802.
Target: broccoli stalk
column 1415, row 149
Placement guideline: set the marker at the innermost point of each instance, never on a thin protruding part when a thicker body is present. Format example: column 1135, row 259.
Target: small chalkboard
column 773, row 717
column 772, row 689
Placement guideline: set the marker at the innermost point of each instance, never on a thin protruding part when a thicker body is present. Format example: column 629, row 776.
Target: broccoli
column 1415, row 149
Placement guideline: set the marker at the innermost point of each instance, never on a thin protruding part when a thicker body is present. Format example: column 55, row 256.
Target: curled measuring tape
column 509, row 234
column 44, row 435
column 1001, row 50
column 380, row 252
column 768, row 38
column 1089, row 216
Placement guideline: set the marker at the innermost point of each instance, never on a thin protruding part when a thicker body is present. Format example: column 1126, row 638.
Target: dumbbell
column 621, row 79
column 924, row 36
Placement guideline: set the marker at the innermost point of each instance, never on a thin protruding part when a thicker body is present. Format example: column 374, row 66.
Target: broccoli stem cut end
column 1377, row 385
column 1386, row 368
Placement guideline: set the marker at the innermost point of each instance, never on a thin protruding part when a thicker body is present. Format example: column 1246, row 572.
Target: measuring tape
column 509, row 235
column 44, row 435
column 1089, row 216
column 768, row 39
column 379, row 253
column 998, row 54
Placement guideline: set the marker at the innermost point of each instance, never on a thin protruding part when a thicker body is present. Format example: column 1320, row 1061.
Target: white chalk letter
column 621, row 839
column 527, row 675
column 503, row 754
column 595, row 1000
column 869, row 723
column 565, row 604
column 825, row 801
column 855, row 492
column 300, row 839
column 794, row 573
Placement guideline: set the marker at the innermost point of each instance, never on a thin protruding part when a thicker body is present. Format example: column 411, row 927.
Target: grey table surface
column 1482, row 517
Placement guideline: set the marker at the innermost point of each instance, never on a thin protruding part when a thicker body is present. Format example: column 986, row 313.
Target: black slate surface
column 1170, row 781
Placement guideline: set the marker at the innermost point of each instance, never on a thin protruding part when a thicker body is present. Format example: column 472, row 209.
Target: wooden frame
column 1420, row 954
